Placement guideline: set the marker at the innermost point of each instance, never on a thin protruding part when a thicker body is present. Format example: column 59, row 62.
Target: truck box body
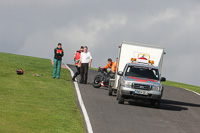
column 136, row 50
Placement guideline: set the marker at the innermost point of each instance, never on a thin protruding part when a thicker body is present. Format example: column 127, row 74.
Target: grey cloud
column 35, row 27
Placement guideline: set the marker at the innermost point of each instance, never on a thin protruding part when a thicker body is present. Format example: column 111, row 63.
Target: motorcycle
column 101, row 80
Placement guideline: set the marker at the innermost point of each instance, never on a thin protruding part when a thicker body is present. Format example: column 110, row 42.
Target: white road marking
column 85, row 114
column 191, row 91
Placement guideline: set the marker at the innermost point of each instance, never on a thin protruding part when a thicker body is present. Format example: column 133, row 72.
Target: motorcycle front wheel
column 97, row 81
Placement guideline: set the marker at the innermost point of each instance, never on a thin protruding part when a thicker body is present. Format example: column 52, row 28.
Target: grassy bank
column 93, row 68
column 36, row 104
column 182, row 85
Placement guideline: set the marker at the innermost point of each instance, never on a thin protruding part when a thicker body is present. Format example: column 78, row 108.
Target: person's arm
column 74, row 56
column 79, row 63
column 107, row 66
column 55, row 51
column 62, row 54
column 90, row 62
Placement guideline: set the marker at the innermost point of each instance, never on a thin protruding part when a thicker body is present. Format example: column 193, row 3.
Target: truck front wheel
column 110, row 90
column 158, row 104
column 155, row 103
column 120, row 99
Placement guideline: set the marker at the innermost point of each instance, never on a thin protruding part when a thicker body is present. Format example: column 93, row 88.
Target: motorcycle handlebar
column 102, row 70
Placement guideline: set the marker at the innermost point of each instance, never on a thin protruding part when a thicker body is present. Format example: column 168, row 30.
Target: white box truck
column 138, row 73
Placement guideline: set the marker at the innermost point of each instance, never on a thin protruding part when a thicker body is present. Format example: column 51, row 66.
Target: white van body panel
column 130, row 50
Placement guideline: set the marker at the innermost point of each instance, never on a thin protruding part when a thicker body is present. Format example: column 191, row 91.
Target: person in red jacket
column 77, row 57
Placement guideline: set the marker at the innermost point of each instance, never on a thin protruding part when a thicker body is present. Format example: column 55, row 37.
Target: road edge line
column 85, row 114
column 191, row 91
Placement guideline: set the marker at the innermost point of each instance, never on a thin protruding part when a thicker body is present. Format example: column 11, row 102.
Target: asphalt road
column 179, row 111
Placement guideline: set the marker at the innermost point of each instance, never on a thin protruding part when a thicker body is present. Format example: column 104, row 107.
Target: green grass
column 182, row 85
column 30, row 104
column 94, row 68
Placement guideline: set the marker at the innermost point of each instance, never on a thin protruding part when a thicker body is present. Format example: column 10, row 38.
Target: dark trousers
column 112, row 75
column 84, row 72
column 77, row 72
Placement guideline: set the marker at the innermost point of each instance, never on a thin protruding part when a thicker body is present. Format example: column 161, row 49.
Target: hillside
column 36, row 104
column 182, row 85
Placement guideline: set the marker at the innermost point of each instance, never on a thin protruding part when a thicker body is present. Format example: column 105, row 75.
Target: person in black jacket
column 58, row 54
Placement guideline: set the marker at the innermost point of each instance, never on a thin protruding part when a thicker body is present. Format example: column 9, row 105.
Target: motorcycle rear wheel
column 97, row 81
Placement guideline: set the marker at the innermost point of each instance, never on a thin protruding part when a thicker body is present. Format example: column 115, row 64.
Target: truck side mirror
column 120, row 73
column 163, row 79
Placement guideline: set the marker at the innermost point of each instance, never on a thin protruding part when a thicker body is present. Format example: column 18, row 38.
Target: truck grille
column 142, row 87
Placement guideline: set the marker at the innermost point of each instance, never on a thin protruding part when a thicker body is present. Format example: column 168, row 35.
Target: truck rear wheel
column 110, row 90
column 120, row 99
column 117, row 97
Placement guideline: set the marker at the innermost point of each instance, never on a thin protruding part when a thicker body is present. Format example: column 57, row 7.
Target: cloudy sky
column 34, row 27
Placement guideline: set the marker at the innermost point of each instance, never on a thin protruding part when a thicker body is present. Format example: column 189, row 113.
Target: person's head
column 59, row 45
column 82, row 48
column 109, row 61
column 85, row 49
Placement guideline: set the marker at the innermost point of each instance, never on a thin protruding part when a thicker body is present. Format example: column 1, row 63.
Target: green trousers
column 56, row 68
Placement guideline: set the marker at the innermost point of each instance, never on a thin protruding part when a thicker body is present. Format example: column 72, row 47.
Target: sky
column 35, row 27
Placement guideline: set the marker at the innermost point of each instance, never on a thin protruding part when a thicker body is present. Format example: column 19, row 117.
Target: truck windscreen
column 142, row 72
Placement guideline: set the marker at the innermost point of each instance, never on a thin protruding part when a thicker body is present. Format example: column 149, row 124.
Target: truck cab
column 138, row 73
column 140, row 81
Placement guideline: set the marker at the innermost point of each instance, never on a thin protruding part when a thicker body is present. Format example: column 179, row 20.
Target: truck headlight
column 127, row 83
column 157, row 88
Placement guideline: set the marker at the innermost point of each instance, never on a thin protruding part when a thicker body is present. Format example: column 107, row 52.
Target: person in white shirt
column 85, row 61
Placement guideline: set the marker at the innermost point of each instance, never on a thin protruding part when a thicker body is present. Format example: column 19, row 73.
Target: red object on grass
column 20, row 72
